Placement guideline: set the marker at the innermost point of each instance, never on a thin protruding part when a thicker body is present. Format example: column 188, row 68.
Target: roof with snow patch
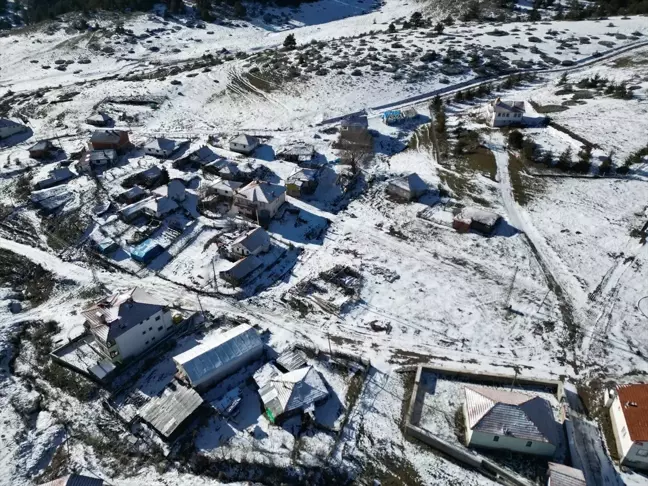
column 202, row 362
column 561, row 475
column 296, row 390
column 261, row 192
column 513, row 414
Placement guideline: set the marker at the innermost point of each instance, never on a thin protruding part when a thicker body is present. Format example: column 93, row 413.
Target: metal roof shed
column 213, row 360
column 167, row 412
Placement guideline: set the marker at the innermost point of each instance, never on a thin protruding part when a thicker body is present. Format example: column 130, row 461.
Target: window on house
column 113, row 354
column 153, row 338
column 496, row 438
column 642, row 453
column 160, row 328
column 624, row 431
column 157, row 318
column 528, row 444
column 146, row 342
column 150, row 328
column 143, row 332
column 169, row 327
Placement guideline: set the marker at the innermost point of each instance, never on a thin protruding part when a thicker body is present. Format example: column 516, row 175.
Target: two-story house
column 260, row 200
column 501, row 113
column 128, row 323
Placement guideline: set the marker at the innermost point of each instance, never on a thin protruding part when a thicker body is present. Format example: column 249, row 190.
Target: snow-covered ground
column 553, row 292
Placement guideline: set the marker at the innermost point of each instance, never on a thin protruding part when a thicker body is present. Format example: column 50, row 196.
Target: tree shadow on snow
column 504, row 229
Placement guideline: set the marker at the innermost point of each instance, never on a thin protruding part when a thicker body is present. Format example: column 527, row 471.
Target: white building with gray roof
column 254, row 242
column 128, row 323
column 514, row 421
column 244, row 144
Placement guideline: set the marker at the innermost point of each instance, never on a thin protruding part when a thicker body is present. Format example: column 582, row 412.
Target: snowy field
column 558, row 289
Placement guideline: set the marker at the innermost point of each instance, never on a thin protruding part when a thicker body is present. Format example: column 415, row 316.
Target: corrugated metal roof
column 509, row 413
column 261, row 191
column 634, row 403
column 106, row 136
column 253, row 240
column 202, row 361
column 167, row 411
column 295, row 390
column 75, row 480
column 561, row 475
column 243, row 267
column 291, row 360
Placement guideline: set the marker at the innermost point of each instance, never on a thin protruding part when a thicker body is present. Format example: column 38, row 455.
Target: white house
column 244, row 144
column 162, row 147
column 498, row 419
column 501, row 113
column 10, row 127
column 219, row 357
column 254, row 242
column 260, row 199
column 561, row 475
column 128, row 323
column 629, row 414
column 160, row 207
column 407, row 188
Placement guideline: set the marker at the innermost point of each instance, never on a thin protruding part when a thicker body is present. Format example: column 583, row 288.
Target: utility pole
column 510, row 290
column 215, row 278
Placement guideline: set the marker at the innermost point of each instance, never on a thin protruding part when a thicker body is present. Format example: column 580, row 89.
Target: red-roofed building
column 629, row 414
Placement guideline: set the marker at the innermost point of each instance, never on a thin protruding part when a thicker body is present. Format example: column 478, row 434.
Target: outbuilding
column 478, row 220
column 172, row 410
column 407, row 188
column 218, row 357
column 254, row 242
column 302, row 183
column 240, row 270
column 56, row 177
column 97, row 160
column 41, row 149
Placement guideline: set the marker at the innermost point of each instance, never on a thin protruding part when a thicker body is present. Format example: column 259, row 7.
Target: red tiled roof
column 634, row 403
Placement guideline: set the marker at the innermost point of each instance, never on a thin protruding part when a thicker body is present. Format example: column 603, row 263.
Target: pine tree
column 290, row 42
column 416, row 19
column 438, row 28
column 515, row 139
column 391, row 29
column 440, row 120
column 459, row 96
column 239, row 9
column 565, row 159
column 448, row 20
column 437, row 104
